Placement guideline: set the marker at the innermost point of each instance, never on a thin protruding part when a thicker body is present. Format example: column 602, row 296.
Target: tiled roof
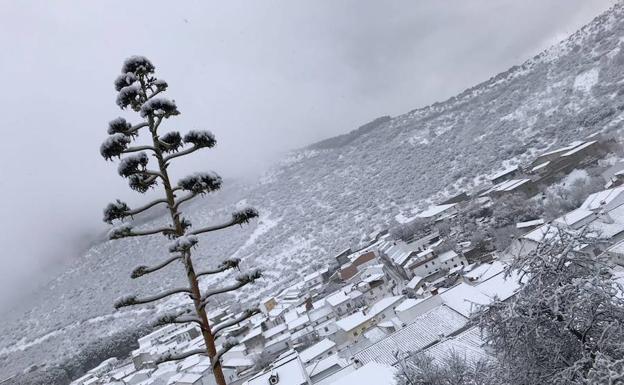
column 425, row 330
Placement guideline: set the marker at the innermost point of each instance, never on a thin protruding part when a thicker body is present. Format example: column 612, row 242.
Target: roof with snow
column 485, row 271
column 467, row 344
column 564, row 149
column 464, row 299
column 408, row 304
column 369, row 374
column 252, row 334
column 315, row 274
column 540, row 166
column 298, row 322
column 506, row 186
column 324, row 364
column 237, row 362
column 596, row 200
column 543, row 233
column 414, row 282
column 574, row 217
column 358, row 318
column 275, row 330
column 432, row 211
column 422, row 332
column 316, row 350
column 447, row 256
column 186, row 378
column 510, row 184
column 618, row 248
column 375, row 334
column 287, row 367
column 504, row 172
column 602, row 230
column 579, row 148
column 500, row 286
column 320, row 313
column 524, row 225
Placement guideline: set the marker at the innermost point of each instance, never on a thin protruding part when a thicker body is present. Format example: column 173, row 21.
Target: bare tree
column 565, row 325
column 141, row 91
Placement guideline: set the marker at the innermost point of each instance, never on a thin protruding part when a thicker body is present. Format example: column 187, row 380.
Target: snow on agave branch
column 141, row 91
column 566, row 324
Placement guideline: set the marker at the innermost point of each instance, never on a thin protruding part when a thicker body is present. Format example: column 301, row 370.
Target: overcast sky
column 264, row 76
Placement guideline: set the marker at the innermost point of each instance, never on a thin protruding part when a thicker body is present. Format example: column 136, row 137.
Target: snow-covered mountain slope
column 330, row 195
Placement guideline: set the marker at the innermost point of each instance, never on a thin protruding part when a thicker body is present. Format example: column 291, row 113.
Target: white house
column 318, row 351
column 351, row 327
column 428, row 262
column 412, row 308
column 286, row 370
column 345, row 300
column 327, row 328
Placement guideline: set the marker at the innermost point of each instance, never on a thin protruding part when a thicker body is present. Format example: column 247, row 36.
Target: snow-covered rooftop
column 414, row 282
column 503, row 173
column 432, row 211
column 596, row 200
column 542, row 233
column 467, row 344
column 598, row 229
column 540, row 166
column 579, row 148
column 574, row 217
column 447, row 256
column 316, row 350
column 525, row 224
column 288, row 368
column 237, row 362
column 485, row 271
column 510, row 184
column 564, row 149
column 298, row 322
column 275, row 330
column 500, row 286
column 253, row 333
column 618, row 248
column 369, row 374
column 464, row 299
column 408, row 304
column 425, row 330
column 358, row 318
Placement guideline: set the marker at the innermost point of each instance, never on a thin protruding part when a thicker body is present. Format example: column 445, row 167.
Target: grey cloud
column 265, row 77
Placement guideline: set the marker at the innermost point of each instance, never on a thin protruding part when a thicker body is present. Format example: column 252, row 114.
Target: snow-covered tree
column 147, row 167
column 421, row 369
column 565, row 325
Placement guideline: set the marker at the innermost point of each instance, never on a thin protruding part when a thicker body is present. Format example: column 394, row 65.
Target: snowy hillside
column 328, row 196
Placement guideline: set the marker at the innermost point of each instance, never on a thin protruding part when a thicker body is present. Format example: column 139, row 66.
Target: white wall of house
column 408, row 315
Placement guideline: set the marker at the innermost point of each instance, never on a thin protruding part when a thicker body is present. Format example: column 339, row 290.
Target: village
column 354, row 321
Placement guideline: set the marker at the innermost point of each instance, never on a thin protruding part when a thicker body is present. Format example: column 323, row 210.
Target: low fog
column 265, row 77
